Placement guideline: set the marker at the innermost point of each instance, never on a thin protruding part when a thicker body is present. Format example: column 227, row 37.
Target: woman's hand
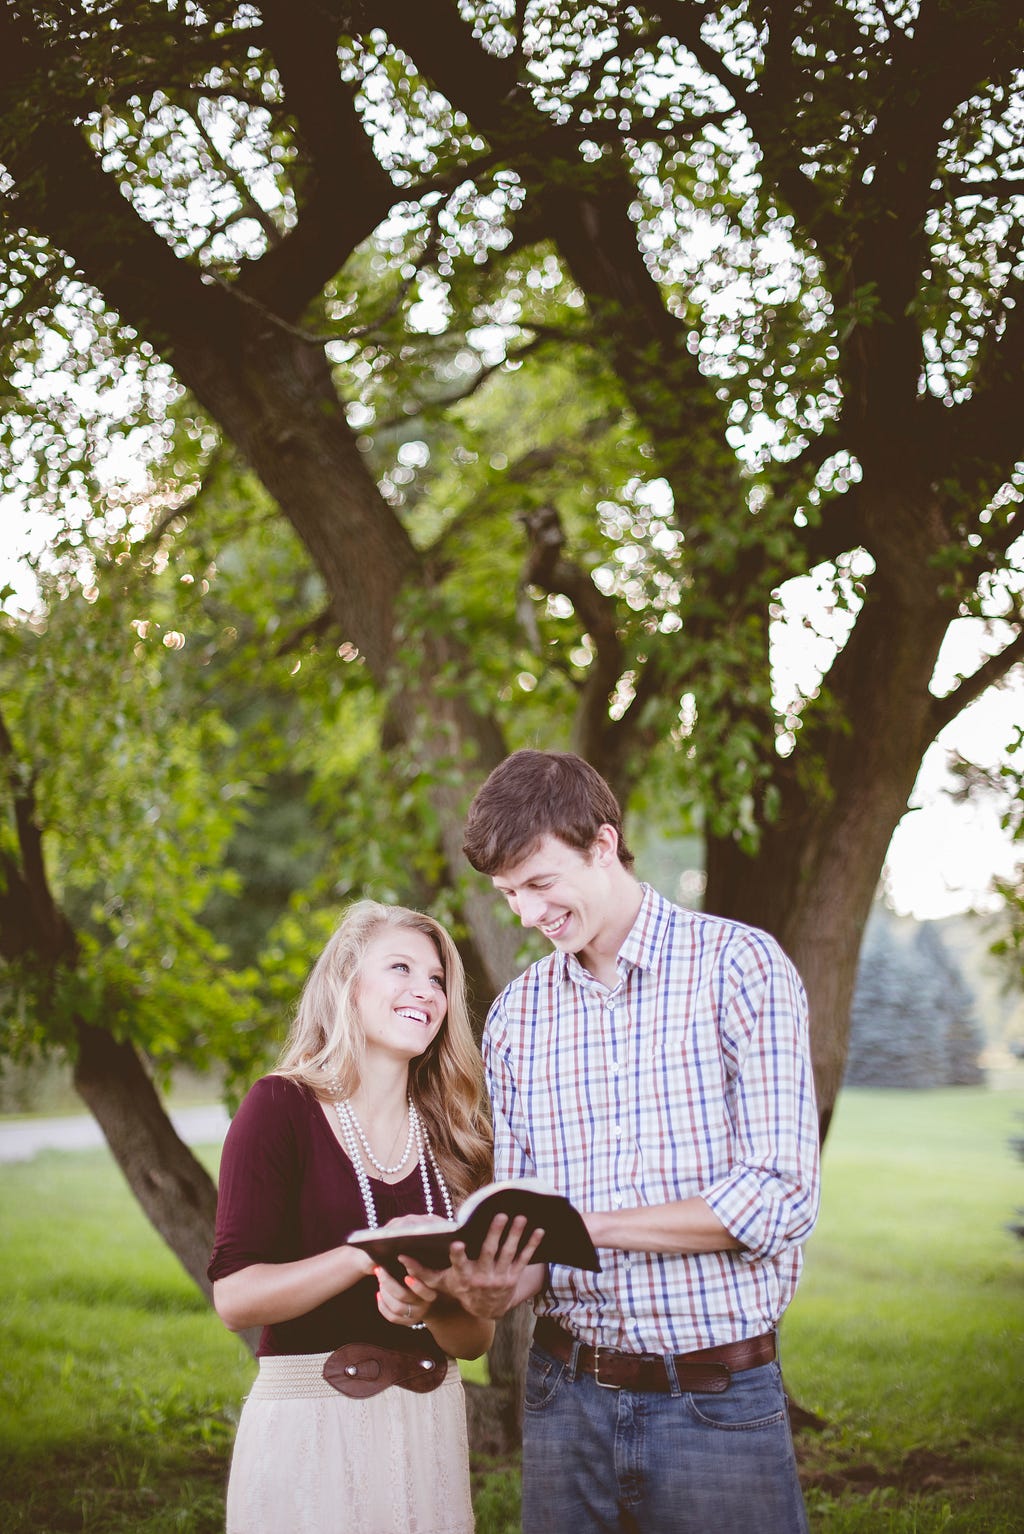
column 405, row 1303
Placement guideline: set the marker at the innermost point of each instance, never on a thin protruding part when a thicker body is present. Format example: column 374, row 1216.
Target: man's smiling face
column 566, row 894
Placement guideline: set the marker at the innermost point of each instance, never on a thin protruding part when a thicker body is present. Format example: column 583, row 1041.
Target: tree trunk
column 495, row 1414
column 176, row 1191
column 818, row 915
column 817, row 869
column 281, row 410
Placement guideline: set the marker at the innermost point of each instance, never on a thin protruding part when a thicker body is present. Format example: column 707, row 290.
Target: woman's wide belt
column 364, row 1369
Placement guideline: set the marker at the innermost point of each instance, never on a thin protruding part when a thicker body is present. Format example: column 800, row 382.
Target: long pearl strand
column 352, row 1138
column 385, row 1171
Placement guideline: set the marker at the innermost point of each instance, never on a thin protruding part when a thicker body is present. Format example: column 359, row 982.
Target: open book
column 566, row 1239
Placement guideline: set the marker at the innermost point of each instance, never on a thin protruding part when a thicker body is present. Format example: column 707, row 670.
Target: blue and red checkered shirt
column 691, row 1076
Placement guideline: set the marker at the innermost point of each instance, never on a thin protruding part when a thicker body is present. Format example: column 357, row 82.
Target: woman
column 356, row 1422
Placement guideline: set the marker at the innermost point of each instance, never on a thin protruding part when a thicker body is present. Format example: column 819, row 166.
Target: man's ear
column 605, row 847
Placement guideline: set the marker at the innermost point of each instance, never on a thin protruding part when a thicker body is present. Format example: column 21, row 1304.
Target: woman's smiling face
column 401, row 992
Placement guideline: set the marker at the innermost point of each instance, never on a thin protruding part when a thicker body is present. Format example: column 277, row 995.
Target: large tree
column 773, row 250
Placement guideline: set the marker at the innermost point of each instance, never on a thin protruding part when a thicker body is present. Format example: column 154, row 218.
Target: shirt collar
column 643, row 941
column 646, row 936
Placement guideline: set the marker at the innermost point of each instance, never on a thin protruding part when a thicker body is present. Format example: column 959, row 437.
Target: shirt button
column 617, row 1200
column 618, row 1131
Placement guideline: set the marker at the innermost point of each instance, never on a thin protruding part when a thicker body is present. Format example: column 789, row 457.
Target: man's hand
column 497, row 1280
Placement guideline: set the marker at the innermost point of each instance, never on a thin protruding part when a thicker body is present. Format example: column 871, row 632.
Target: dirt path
column 23, row 1138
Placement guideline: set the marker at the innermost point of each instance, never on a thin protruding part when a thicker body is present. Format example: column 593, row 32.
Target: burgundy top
column 288, row 1190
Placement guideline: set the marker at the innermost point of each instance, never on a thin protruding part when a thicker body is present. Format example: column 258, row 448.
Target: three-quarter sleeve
column 259, row 1174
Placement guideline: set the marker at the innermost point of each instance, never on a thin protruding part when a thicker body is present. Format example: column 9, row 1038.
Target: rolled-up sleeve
column 769, row 1198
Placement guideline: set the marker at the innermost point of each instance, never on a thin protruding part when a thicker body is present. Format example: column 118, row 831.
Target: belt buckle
column 596, row 1371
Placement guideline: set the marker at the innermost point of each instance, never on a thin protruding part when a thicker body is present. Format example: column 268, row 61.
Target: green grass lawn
column 119, row 1388
column 906, row 1333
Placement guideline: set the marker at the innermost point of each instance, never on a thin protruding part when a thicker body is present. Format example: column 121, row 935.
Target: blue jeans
column 599, row 1459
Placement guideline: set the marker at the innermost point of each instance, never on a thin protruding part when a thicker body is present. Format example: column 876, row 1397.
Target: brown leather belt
column 708, row 1371
column 363, row 1369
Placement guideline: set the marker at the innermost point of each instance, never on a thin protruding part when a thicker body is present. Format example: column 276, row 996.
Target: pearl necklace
column 345, row 1108
column 351, row 1137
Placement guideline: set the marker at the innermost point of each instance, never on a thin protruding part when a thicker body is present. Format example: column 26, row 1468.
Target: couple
column 655, row 1069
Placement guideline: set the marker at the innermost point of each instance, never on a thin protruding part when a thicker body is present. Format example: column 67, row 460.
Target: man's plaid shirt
column 692, row 1076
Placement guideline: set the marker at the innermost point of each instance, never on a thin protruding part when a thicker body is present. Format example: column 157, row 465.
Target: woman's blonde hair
column 325, row 1044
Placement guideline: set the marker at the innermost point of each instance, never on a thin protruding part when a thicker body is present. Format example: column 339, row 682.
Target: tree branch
column 314, row 628
column 898, row 38
column 685, row 19
column 426, row 407
column 997, row 537
column 1001, row 536
column 981, row 441
column 136, row 60
column 629, row 739
column 32, row 925
column 652, row 128
column 430, row 247
column 248, row 206
column 989, row 674
column 61, row 191
column 452, row 176
column 768, row 106
column 441, row 44
column 842, row 528
column 886, row 242
column 350, row 192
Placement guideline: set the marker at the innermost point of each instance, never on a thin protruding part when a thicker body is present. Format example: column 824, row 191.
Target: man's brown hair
column 533, row 794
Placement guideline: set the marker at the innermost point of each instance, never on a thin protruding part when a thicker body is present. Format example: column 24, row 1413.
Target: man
column 655, row 1069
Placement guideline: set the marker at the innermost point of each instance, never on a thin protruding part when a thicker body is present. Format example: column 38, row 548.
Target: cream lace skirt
column 310, row 1461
